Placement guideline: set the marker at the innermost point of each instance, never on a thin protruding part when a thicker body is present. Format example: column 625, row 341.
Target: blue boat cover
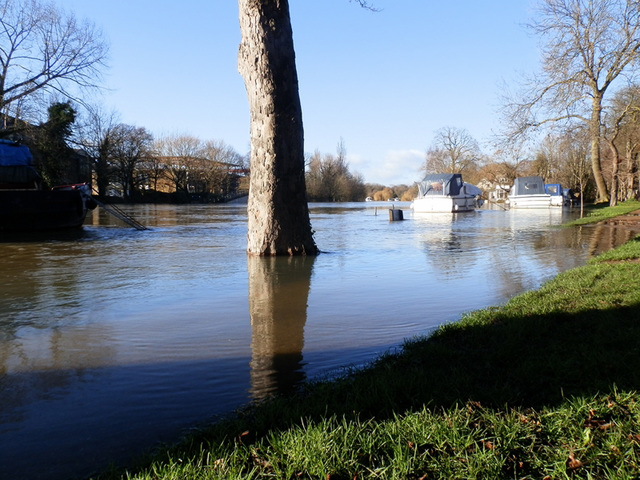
column 14, row 154
column 553, row 189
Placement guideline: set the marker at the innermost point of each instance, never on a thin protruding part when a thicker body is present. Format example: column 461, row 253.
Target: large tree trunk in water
column 278, row 212
column 596, row 117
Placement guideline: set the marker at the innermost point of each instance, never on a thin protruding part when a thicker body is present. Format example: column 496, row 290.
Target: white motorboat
column 529, row 192
column 446, row 193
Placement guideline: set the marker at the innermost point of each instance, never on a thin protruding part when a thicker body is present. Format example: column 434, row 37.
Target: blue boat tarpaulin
column 14, row 154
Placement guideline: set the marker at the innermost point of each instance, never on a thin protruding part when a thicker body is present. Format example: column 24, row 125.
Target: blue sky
column 382, row 82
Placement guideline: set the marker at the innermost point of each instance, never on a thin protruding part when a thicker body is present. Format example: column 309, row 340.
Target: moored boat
column 25, row 206
column 557, row 194
column 529, row 192
column 446, row 193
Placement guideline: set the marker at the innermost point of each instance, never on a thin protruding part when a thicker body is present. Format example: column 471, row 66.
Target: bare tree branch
column 454, row 150
column 43, row 49
column 366, row 4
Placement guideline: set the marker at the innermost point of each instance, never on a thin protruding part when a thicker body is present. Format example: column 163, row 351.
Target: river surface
column 114, row 340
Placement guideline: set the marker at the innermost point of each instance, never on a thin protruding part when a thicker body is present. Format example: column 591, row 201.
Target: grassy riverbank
column 544, row 387
column 600, row 212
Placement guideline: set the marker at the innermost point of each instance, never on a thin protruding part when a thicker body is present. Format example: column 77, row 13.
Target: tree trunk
column 102, row 167
column 596, row 166
column 631, row 157
column 613, row 201
column 278, row 213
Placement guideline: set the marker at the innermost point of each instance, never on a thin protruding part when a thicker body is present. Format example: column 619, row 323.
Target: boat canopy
column 13, row 154
column 472, row 189
column 553, row 189
column 440, row 184
column 528, row 186
column 16, row 166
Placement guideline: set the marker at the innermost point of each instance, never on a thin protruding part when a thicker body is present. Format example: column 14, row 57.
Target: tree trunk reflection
column 278, row 293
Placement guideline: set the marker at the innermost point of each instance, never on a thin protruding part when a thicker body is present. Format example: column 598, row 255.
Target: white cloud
column 395, row 168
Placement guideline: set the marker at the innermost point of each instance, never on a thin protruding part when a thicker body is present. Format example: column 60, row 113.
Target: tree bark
column 596, row 117
column 278, row 214
column 631, row 157
column 615, row 162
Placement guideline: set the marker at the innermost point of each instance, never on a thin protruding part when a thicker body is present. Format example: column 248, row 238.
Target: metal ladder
column 118, row 213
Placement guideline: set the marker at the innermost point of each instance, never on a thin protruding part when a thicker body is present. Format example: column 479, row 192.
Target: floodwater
column 114, row 340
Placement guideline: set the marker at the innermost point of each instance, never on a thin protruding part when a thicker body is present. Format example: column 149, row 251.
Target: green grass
column 543, row 387
column 601, row 211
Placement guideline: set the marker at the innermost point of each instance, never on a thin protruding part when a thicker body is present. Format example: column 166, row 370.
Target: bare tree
column 588, row 45
column 575, row 160
column 178, row 153
column 329, row 178
column 219, row 160
column 43, row 49
column 454, row 150
column 128, row 147
column 198, row 167
column 611, row 138
column 620, row 132
column 508, row 162
column 92, row 135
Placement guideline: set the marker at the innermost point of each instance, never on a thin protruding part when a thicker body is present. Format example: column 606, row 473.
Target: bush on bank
column 544, row 387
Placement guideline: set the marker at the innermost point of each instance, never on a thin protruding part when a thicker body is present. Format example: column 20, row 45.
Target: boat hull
column 444, row 204
column 557, row 201
column 37, row 210
column 529, row 201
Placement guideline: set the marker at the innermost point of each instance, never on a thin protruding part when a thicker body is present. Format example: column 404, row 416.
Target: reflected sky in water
column 116, row 339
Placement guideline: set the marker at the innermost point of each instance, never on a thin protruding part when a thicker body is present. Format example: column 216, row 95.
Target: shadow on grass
column 532, row 362
column 527, row 363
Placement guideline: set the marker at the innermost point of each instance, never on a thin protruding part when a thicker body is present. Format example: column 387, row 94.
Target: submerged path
column 629, row 219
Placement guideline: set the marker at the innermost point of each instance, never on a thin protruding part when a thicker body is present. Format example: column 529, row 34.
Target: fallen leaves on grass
column 573, row 463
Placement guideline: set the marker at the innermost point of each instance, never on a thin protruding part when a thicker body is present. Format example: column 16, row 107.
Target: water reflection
column 449, row 242
column 608, row 237
column 278, row 295
column 40, row 362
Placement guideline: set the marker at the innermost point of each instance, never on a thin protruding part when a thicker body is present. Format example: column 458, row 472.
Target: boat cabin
column 528, row 186
column 448, row 184
column 557, row 194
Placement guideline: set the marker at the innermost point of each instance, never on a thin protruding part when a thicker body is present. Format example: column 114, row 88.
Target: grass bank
column 599, row 212
column 543, row 387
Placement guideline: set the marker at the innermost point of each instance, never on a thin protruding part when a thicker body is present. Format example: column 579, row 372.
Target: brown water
column 114, row 339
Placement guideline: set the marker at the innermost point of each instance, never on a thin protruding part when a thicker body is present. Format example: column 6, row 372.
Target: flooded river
column 115, row 339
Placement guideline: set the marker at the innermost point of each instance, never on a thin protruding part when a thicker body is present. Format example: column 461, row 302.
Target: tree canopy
column 43, row 49
column 587, row 46
column 454, row 150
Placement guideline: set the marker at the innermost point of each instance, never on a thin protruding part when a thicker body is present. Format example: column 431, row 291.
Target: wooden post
column 395, row 215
